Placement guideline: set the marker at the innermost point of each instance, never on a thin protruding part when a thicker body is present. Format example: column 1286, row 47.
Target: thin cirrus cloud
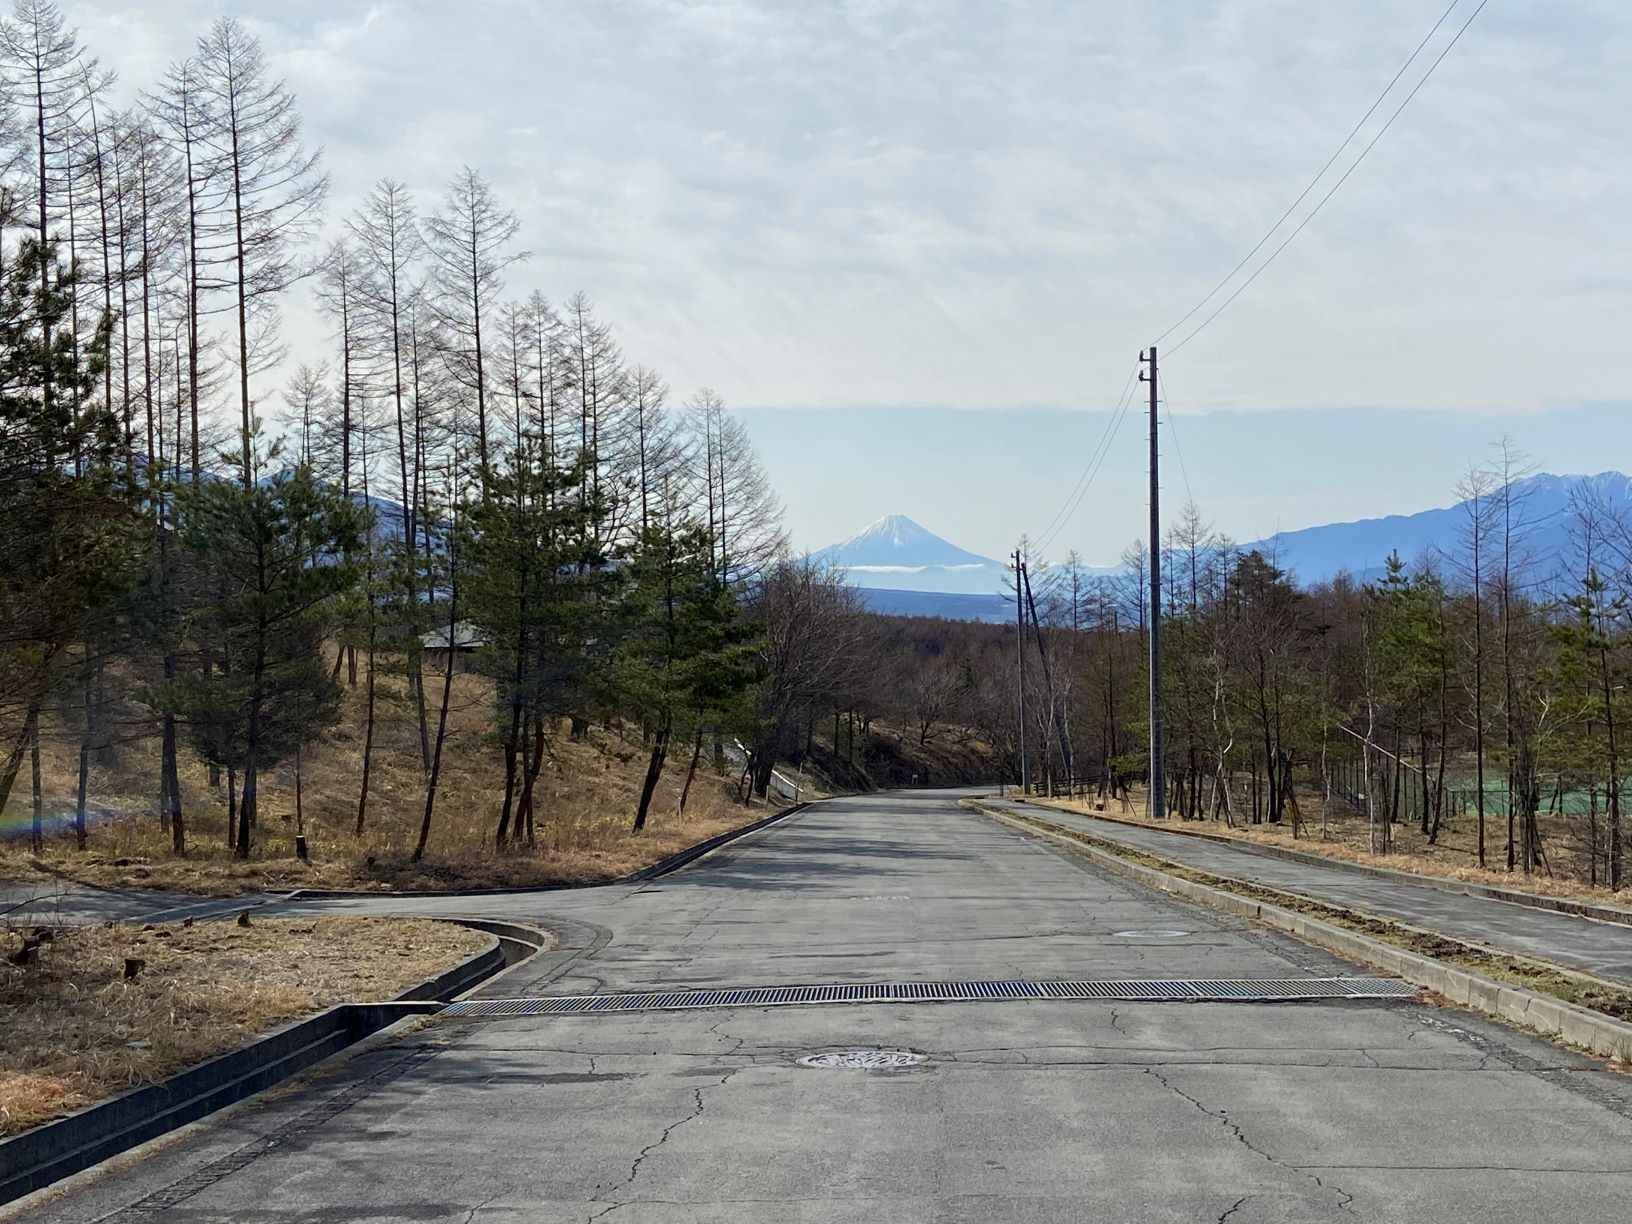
column 993, row 204
column 979, row 204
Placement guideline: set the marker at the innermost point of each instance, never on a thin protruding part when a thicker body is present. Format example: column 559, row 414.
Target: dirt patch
column 75, row 1029
column 1574, row 988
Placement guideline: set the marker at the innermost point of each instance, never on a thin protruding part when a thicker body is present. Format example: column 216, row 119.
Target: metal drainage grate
column 863, row 1060
column 1245, row 990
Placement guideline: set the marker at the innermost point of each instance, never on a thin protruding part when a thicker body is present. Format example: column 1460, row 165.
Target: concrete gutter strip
column 1540, row 1013
column 1515, row 896
column 48, row 1153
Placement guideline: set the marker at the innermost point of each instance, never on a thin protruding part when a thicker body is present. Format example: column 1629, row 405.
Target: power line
column 1095, row 461
column 1080, row 487
column 1303, row 195
column 1058, row 514
column 1173, row 431
column 1353, row 166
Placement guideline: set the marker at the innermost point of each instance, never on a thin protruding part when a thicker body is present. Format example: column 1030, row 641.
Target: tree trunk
column 39, row 794
column 534, row 762
column 442, row 716
column 172, row 786
column 368, row 732
column 691, row 770
column 1613, row 797
column 19, row 748
column 246, row 805
column 512, row 748
column 654, row 769
column 84, row 767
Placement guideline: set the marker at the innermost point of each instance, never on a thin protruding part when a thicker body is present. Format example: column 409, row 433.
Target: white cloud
column 979, row 203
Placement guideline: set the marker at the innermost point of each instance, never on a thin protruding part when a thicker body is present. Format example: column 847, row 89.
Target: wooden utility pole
column 1020, row 658
column 1158, row 782
column 1056, row 708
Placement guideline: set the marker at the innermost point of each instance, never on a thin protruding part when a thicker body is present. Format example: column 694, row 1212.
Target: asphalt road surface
column 1020, row 1111
column 1601, row 948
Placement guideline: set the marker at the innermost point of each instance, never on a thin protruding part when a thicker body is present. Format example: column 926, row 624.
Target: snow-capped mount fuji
column 896, row 554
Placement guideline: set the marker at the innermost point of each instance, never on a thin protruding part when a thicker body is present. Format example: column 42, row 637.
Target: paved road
column 1602, row 948
column 57, row 902
column 1027, row 1111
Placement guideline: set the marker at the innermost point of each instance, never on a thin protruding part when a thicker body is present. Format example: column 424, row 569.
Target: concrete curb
column 690, row 854
column 1526, row 1008
column 662, row 867
column 47, row 1153
column 1514, row 896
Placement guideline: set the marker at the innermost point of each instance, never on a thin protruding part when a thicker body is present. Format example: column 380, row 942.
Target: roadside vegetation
column 1346, row 836
column 96, row 1010
column 1466, row 710
column 470, row 599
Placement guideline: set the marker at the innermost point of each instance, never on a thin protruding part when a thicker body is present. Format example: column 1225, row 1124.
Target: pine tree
column 683, row 661
column 534, row 585
column 68, row 541
column 276, row 552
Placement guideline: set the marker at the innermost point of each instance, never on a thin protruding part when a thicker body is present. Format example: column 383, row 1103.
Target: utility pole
column 1158, row 782
column 1020, row 657
column 1061, row 726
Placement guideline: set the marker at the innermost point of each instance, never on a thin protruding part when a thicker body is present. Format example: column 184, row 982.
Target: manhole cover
column 1157, row 934
column 864, row 1060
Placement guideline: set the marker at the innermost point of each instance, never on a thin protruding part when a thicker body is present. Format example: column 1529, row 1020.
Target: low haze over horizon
column 852, row 219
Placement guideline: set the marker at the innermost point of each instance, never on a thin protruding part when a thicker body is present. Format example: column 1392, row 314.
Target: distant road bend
column 1052, row 1109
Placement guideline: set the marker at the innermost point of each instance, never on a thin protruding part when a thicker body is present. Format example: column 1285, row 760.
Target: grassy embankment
column 1345, row 834
column 75, row 1029
column 585, row 801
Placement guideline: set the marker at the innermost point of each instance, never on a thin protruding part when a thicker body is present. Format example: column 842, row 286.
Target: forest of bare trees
column 209, row 543
column 1474, row 696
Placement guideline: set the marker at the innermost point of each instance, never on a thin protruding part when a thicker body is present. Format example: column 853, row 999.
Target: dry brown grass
column 73, row 1030
column 1347, row 836
column 586, row 798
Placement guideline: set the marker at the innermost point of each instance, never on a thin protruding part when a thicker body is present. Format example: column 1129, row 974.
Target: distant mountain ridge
column 905, row 569
column 1361, row 548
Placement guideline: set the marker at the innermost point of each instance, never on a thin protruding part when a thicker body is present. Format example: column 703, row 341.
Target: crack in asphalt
column 1345, row 1199
column 1602, row 1088
column 1234, row 1207
column 640, row 1159
column 715, row 1028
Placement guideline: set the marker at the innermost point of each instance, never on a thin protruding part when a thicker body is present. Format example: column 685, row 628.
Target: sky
column 918, row 244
